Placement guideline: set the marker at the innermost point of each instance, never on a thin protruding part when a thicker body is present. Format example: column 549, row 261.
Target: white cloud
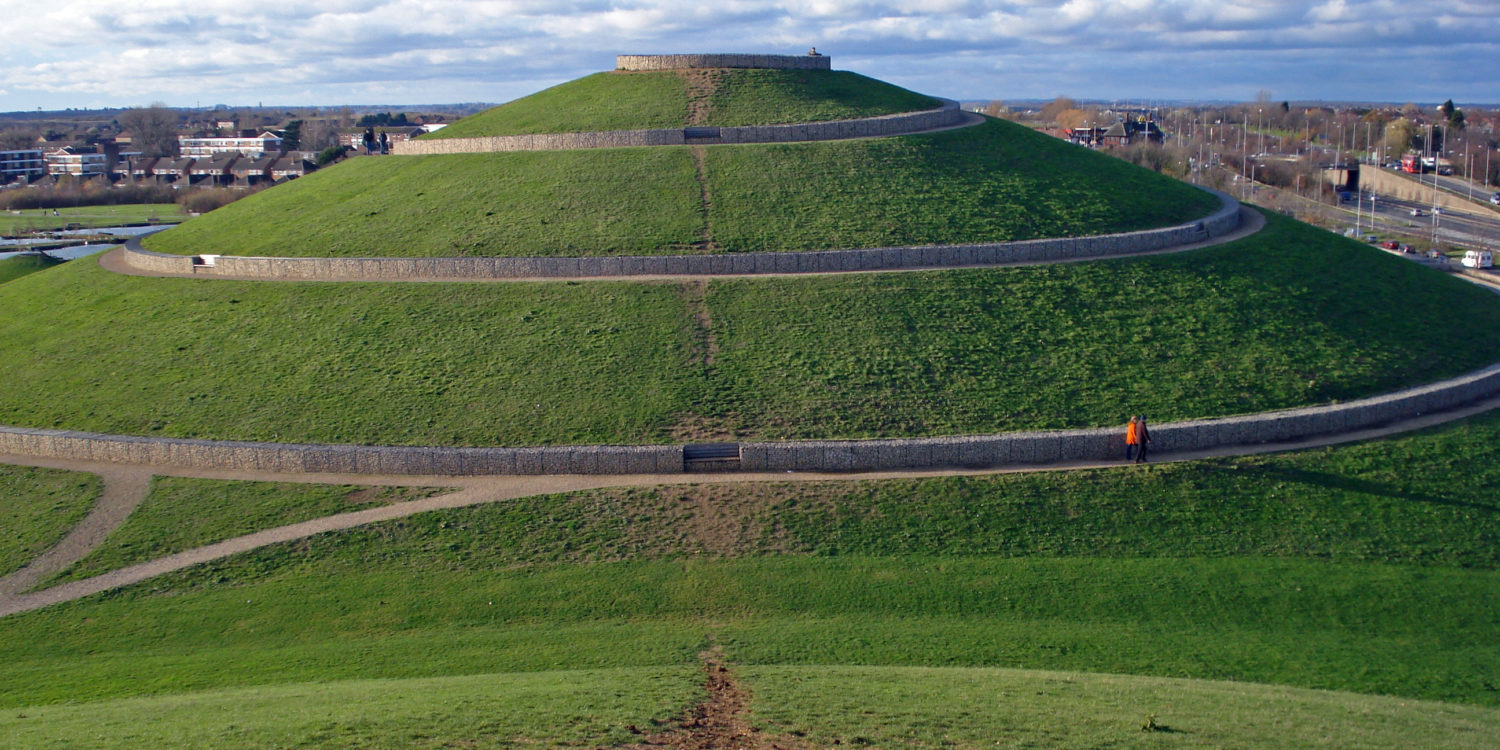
column 182, row 51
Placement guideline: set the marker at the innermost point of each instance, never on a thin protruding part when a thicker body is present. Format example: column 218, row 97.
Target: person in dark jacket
column 1144, row 436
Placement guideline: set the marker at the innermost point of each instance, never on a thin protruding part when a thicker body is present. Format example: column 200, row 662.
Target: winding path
column 493, row 489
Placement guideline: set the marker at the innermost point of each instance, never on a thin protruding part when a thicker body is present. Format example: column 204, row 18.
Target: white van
column 1478, row 259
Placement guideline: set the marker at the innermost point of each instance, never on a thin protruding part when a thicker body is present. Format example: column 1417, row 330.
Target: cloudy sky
column 93, row 53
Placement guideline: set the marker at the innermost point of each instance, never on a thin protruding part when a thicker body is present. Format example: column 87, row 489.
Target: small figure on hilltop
column 813, row 52
column 385, row 143
column 1144, row 436
column 1132, row 437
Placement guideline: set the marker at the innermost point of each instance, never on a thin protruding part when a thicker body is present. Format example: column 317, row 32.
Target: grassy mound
column 874, row 610
column 993, row 182
column 1272, row 321
column 725, row 97
column 37, row 508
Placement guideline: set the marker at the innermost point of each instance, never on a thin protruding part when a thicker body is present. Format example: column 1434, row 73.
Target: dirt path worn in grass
column 124, row 489
column 490, row 489
column 722, row 721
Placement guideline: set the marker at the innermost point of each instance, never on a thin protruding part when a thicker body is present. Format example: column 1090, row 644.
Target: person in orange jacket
column 1143, row 437
column 1132, row 437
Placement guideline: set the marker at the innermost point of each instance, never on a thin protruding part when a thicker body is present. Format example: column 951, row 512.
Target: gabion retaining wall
column 832, row 455
column 865, row 127
column 686, row 62
column 1221, row 222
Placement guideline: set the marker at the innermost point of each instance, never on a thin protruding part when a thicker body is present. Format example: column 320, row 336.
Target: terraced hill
column 1334, row 598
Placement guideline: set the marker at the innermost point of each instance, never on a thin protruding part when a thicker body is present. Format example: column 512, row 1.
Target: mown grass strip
column 596, row 708
column 927, row 707
column 37, row 509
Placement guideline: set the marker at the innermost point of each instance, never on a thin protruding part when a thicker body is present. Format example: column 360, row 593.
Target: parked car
column 1408, row 249
column 1416, row 212
column 1478, row 259
column 1495, row 199
column 1390, row 244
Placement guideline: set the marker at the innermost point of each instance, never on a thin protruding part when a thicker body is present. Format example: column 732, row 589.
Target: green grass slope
column 885, row 613
column 37, row 509
column 180, row 513
column 1289, row 317
column 993, row 182
column 21, row 265
column 593, row 708
column 945, row 707
column 649, row 100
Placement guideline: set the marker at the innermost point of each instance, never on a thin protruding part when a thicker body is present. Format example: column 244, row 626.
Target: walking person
column 1143, row 435
column 1132, row 437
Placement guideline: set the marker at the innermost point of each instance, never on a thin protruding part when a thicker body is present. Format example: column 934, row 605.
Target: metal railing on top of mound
column 1223, row 221
column 1103, row 444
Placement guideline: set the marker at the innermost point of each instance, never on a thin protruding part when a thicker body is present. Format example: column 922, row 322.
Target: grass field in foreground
column 593, row 708
column 24, row 220
column 328, row 614
column 37, row 508
column 993, row 182
column 1368, row 568
column 1289, row 317
column 181, row 513
column 850, row 706
column 926, row 707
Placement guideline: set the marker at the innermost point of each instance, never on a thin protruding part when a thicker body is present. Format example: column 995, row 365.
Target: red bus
column 1413, row 164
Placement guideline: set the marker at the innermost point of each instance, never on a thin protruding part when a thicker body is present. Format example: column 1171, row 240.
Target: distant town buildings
column 247, row 143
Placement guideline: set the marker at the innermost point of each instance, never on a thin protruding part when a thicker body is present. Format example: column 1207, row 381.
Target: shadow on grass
column 1351, row 484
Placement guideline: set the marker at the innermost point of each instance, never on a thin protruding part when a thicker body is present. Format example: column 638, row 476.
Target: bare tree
column 317, row 135
column 996, row 108
column 1057, row 106
column 18, row 139
column 152, row 129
